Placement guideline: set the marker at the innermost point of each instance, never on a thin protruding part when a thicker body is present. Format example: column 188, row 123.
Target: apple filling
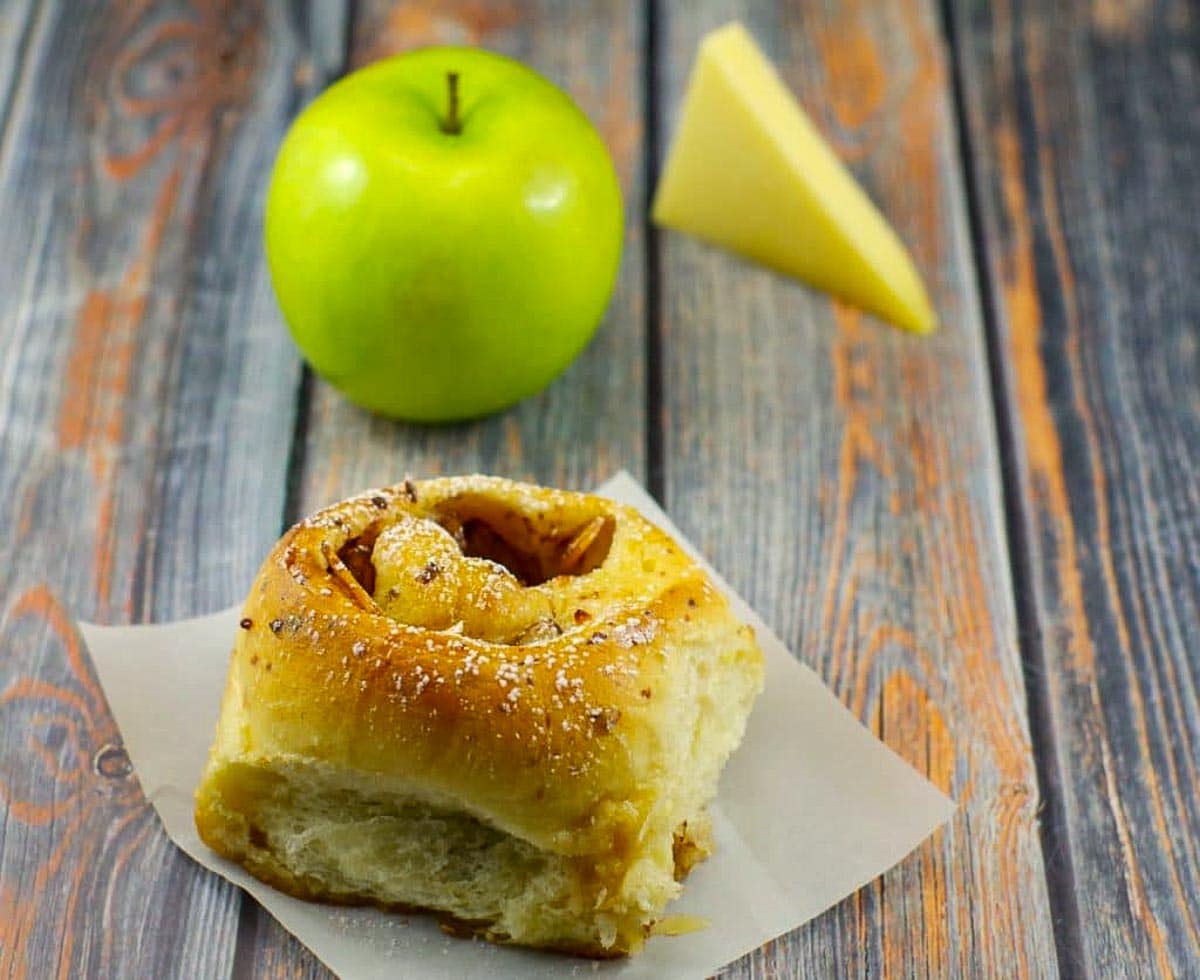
column 481, row 570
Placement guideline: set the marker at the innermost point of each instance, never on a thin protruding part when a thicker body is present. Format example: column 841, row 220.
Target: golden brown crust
column 506, row 648
column 410, row 693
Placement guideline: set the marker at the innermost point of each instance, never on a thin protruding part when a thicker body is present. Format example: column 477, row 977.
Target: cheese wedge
column 749, row 171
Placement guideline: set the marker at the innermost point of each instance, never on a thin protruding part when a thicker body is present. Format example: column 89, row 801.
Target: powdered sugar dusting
column 562, row 651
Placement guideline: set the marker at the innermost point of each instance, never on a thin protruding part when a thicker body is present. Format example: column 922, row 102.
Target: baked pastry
column 502, row 703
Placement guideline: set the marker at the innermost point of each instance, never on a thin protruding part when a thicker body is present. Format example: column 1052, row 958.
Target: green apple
column 443, row 230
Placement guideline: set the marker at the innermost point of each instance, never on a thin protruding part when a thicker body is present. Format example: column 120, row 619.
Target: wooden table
column 987, row 542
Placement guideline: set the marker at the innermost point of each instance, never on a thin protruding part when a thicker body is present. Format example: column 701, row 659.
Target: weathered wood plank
column 844, row 476
column 1084, row 136
column 587, row 424
column 146, row 401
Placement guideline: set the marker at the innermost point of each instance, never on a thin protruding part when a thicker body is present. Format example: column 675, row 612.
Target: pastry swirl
column 503, row 703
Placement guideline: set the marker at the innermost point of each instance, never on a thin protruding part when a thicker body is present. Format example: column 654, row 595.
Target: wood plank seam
column 1056, row 854
column 334, row 65
column 294, row 486
column 655, row 460
column 22, row 74
column 242, row 967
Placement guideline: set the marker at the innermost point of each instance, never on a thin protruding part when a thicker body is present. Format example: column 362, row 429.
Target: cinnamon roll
column 504, row 704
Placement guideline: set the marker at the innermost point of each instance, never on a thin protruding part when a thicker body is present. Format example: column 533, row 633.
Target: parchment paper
column 811, row 807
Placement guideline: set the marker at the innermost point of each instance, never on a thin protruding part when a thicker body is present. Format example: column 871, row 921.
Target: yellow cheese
column 749, row 171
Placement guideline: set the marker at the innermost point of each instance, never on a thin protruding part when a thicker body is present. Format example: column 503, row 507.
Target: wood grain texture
column 1084, row 136
column 844, row 476
column 590, row 422
column 146, row 402
column 20, row 25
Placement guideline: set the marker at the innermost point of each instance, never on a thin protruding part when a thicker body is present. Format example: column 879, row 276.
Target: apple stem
column 452, row 124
